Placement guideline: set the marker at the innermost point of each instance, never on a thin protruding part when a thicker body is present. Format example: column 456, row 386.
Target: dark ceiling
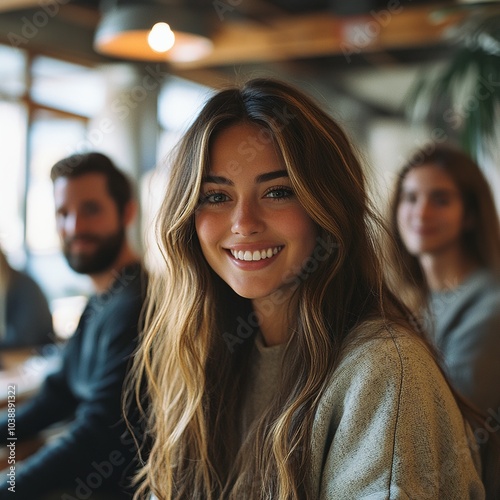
column 70, row 30
column 254, row 35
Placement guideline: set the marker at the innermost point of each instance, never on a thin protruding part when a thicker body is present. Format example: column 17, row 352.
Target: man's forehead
column 88, row 187
column 92, row 180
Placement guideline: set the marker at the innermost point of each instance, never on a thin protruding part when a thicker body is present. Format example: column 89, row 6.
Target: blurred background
column 84, row 75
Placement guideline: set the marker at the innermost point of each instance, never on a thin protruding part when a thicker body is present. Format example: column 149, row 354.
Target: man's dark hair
column 119, row 186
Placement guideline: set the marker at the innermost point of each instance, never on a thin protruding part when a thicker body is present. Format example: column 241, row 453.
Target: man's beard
column 101, row 259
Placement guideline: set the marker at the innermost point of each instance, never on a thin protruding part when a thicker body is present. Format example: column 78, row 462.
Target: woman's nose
column 247, row 219
column 422, row 209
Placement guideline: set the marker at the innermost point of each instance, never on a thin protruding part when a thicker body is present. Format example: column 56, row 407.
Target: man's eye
column 91, row 208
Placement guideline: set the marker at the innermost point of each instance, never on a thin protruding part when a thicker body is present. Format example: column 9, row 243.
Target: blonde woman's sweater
column 387, row 426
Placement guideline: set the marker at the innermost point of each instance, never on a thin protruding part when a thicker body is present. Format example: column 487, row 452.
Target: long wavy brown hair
column 190, row 367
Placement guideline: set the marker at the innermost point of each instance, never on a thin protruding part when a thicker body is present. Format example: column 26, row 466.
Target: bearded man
column 90, row 458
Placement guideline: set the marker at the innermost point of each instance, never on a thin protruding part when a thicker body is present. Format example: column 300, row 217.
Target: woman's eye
column 214, row 198
column 279, row 193
column 441, row 201
column 408, row 197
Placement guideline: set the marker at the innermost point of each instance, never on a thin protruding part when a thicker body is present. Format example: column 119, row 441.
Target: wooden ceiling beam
column 9, row 5
column 80, row 15
column 281, row 37
column 323, row 34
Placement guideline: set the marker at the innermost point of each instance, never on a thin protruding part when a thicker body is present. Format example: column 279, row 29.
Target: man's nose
column 72, row 224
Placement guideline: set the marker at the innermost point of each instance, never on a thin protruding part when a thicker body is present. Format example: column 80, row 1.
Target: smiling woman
column 431, row 214
column 448, row 233
column 275, row 362
column 252, row 229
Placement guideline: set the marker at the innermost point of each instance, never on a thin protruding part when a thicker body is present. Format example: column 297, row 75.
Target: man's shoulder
column 128, row 286
column 130, row 281
column 122, row 301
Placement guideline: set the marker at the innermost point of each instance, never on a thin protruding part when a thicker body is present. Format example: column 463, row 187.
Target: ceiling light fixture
column 161, row 38
column 152, row 32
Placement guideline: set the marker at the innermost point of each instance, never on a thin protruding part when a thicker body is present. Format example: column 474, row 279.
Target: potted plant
column 463, row 98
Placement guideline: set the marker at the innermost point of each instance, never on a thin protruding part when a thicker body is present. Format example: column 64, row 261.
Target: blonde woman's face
column 253, row 231
column 430, row 212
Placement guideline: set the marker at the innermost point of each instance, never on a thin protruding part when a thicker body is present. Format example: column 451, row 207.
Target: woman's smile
column 255, row 255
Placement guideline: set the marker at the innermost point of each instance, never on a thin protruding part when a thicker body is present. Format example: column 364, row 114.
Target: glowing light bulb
column 161, row 38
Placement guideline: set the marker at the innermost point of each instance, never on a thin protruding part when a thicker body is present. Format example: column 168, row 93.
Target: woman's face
column 253, row 231
column 430, row 214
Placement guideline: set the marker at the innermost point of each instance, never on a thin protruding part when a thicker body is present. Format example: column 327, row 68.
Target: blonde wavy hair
column 189, row 380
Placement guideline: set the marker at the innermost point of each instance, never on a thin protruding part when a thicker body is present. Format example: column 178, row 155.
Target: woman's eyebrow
column 217, row 179
column 445, row 192
column 268, row 176
column 438, row 190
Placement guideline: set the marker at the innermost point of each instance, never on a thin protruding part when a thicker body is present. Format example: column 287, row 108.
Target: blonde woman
column 274, row 363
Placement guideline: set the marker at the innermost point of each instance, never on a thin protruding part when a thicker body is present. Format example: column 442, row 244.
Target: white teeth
column 256, row 254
